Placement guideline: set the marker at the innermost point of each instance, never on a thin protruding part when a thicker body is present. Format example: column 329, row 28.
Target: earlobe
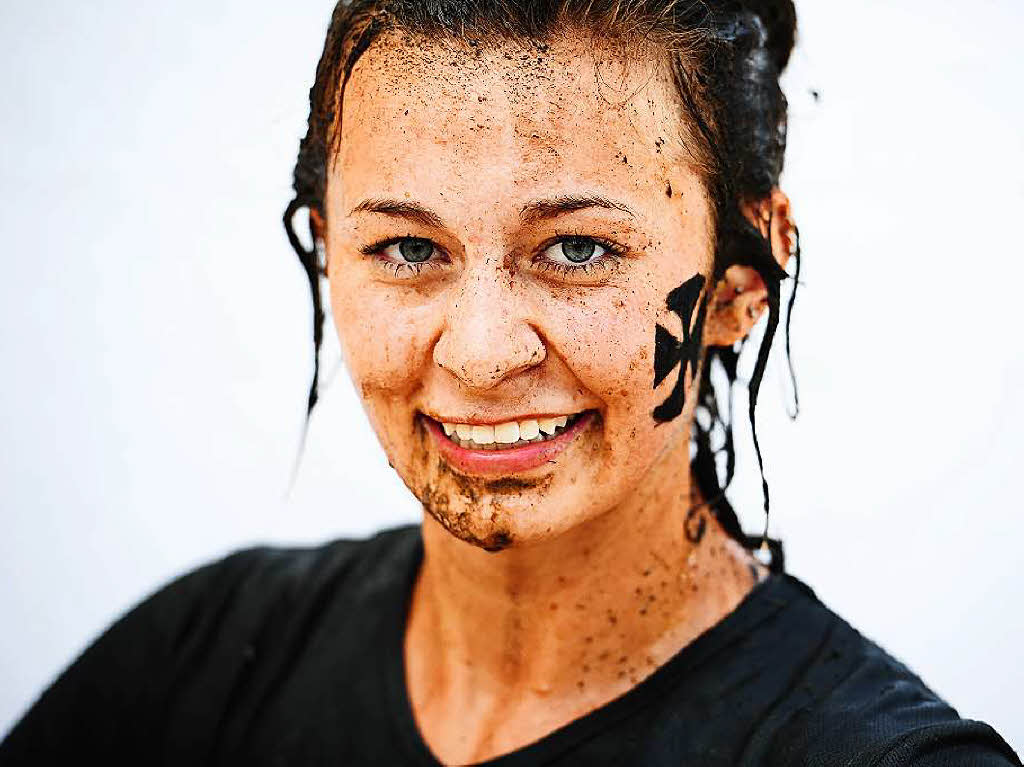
column 739, row 300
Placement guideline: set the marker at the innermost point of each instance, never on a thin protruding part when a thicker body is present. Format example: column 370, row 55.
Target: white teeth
column 506, row 433
column 529, row 429
column 483, row 435
column 496, row 436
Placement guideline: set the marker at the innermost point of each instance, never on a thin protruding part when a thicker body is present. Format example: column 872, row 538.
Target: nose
column 487, row 337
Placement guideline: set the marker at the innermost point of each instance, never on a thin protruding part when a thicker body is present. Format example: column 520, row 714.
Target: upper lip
column 478, row 421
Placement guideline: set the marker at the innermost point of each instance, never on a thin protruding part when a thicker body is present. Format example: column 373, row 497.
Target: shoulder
column 295, row 565
column 262, row 575
column 192, row 640
column 237, row 593
column 245, row 585
column 853, row 703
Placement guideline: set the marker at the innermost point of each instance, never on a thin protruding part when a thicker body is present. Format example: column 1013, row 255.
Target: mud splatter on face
column 462, row 524
column 491, row 534
column 738, row 105
column 502, row 323
column 515, row 484
column 669, row 352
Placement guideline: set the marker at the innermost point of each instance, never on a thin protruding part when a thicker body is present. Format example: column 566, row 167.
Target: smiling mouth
column 508, row 447
column 509, row 435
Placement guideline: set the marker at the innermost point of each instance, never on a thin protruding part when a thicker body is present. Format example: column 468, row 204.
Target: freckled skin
column 545, row 594
column 488, row 334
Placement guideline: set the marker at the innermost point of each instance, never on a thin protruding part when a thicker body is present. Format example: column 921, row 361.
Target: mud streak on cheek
column 670, row 352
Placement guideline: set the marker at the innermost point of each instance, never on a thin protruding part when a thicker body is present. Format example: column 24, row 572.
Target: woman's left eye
column 577, row 253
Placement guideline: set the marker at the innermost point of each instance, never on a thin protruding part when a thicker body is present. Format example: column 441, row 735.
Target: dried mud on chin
column 492, row 533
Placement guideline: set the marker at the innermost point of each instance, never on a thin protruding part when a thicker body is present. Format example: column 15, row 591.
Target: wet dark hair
column 726, row 57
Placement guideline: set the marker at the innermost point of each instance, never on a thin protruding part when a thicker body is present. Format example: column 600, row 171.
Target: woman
column 543, row 225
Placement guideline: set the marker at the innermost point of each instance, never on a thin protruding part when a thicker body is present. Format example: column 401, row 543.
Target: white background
column 154, row 326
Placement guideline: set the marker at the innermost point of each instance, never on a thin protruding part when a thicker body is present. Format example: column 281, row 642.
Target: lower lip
column 509, row 460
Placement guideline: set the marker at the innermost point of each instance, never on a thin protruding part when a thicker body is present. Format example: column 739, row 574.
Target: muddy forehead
column 399, row 59
column 537, row 103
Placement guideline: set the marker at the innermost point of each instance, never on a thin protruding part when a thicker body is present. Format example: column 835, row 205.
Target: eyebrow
column 411, row 211
column 538, row 210
column 541, row 210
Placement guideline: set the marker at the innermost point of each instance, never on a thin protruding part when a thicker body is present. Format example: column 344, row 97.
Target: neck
column 582, row 617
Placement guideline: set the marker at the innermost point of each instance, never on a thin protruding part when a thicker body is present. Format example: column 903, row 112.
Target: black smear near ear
column 670, row 352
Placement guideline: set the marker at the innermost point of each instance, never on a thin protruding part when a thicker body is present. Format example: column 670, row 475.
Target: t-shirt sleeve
column 882, row 715
column 960, row 743
column 104, row 707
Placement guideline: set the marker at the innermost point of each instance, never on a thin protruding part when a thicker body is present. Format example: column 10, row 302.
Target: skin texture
column 545, row 594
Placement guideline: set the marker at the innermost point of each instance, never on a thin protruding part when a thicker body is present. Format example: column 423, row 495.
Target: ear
column 741, row 297
column 319, row 226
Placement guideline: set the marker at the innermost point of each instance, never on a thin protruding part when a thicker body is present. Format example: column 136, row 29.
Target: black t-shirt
column 293, row 656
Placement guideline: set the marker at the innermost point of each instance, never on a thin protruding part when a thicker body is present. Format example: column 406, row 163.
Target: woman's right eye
column 411, row 250
column 405, row 256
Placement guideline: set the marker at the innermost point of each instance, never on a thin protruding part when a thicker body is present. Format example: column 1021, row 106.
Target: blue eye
column 575, row 251
column 580, row 256
column 411, row 250
column 405, row 256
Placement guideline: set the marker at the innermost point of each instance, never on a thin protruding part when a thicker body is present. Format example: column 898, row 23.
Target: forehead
column 449, row 121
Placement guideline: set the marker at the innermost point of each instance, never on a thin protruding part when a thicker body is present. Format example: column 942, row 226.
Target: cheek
column 385, row 335
column 604, row 341
column 607, row 341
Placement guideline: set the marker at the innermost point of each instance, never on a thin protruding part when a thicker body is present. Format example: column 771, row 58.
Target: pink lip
column 506, row 461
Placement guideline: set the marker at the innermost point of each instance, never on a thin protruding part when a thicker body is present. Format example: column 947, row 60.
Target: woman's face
column 503, row 227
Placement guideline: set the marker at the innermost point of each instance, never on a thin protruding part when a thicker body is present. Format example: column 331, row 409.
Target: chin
column 489, row 506
column 498, row 513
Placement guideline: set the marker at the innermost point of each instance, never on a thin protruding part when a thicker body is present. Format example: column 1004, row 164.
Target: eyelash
column 610, row 258
column 613, row 252
column 415, row 267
